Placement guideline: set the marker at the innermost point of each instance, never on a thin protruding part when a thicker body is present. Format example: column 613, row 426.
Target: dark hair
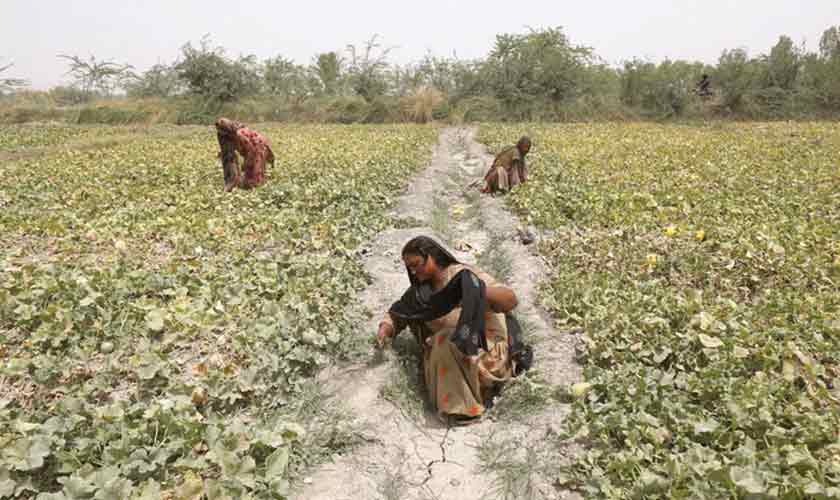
column 523, row 141
column 427, row 247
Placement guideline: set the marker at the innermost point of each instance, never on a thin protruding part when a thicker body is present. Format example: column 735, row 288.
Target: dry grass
column 419, row 106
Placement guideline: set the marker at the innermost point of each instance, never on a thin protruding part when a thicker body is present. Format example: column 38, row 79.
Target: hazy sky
column 143, row 33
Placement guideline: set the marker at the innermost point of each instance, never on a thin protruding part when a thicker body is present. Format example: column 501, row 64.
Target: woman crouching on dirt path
column 458, row 314
column 508, row 169
column 255, row 149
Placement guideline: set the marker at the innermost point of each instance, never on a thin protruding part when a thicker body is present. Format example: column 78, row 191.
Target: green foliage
column 367, row 69
column 208, row 72
column 537, row 75
column 157, row 334
column 664, row 89
column 783, row 64
column 283, row 78
column 703, row 265
column 542, row 64
column 64, row 95
column 112, row 115
column 830, row 43
column 329, row 71
column 160, row 80
column 22, row 138
column 736, row 76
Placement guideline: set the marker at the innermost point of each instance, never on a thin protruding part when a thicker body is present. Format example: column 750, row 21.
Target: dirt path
column 408, row 453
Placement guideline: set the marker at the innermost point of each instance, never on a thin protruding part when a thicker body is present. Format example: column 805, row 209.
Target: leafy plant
column 703, row 264
column 158, row 336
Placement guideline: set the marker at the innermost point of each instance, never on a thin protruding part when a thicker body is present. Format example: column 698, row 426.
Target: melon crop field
column 702, row 264
column 157, row 335
column 160, row 338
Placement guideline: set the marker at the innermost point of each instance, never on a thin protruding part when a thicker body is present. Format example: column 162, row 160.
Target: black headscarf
column 420, row 304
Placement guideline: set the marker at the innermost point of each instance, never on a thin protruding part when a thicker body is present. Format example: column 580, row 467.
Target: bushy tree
column 735, row 75
column 367, row 69
column 783, row 65
column 539, row 64
column 282, row 77
column 822, row 72
column 208, row 72
column 328, row 69
column 161, row 80
column 830, row 43
column 664, row 89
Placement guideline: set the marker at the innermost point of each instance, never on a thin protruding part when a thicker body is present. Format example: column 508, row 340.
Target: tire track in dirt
column 411, row 454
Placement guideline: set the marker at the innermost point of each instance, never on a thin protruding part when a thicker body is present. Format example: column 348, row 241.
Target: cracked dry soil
column 411, row 454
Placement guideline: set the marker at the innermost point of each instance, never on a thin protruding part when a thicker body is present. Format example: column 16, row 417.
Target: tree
column 539, row 64
column 820, row 71
column 328, row 68
column 783, row 64
column 93, row 75
column 830, row 43
column 208, row 72
column 10, row 84
column 367, row 69
column 665, row 89
column 735, row 76
column 283, row 77
column 160, row 80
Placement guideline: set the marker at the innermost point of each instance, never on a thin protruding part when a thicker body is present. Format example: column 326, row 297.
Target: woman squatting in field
column 461, row 316
column 508, row 169
column 255, row 149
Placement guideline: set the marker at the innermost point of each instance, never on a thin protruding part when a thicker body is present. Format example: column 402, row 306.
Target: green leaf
column 154, row 320
column 709, row 342
column 705, row 426
column 115, row 489
column 27, row 453
column 147, row 371
column 788, row 370
column 52, row 496
column 77, row 488
column 216, row 491
column 704, row 321
column 740, row 352
column 149, row 491
column 748, row 479
column 800, row 457
column 191, row 489
column 7, row 485
column 276, row 463
column 280, row 487
column 814, row 490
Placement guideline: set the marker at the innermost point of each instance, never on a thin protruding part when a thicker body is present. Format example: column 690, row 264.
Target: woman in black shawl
column 457, row 313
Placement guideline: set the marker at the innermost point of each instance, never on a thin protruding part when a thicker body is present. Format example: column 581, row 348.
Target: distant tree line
column 539, row 74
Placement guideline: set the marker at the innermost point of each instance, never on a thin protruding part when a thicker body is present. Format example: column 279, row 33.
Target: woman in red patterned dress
column 255, row 150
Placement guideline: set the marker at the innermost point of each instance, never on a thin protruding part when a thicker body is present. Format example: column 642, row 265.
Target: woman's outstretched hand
column 383, row 336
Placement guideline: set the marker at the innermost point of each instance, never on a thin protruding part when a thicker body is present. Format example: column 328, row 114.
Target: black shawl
column 419, row 303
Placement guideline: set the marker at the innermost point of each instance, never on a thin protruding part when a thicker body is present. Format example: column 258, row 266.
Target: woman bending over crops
column 508, row 169
column 458, row 315
column 255, row 149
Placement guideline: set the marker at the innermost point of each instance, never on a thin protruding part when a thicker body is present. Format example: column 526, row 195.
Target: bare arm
column 501, row 299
